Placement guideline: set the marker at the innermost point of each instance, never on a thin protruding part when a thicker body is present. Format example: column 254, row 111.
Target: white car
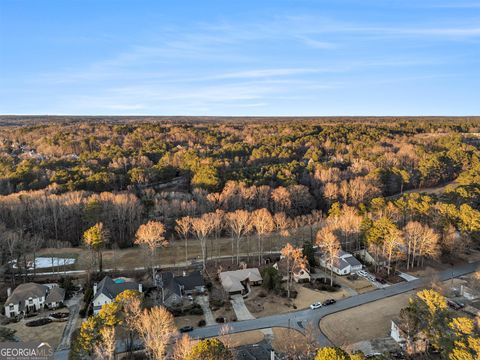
column 362, row 273
column 316, row 305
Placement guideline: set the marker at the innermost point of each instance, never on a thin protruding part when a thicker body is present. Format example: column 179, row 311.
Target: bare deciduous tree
column 202, row 228
column 239, row 223
column 182, row 348
column 155, row 328
column 330, row 246
column 105, row 349
column 183, row 227
column 150, row 236
column 263, row 223
column 294, row 259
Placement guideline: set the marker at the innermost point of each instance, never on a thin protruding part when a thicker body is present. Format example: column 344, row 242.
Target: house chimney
column 94, row 289
column 140, row 287
column 9, row 291
column 462, row 290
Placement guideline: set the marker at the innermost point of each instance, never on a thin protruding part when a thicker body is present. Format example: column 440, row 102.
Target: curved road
column 299, row 320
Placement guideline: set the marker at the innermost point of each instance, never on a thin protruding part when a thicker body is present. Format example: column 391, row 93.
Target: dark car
column 329, row 302
column 455, row 305
column 380, row 280
column 186, row 329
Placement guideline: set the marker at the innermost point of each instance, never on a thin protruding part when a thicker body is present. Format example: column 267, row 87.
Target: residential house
column 107, row 290
column 343, row 264
column 238, row 281
column 410, row 342
column 371, row 259
column 175, row 288
column 26, row 298
column 300, row 274
column 55, row 297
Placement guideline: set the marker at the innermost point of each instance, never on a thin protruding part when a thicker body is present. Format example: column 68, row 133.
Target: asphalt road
column 299, row 320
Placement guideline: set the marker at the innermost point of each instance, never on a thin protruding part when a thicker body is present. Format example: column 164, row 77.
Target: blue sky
column 248, row 57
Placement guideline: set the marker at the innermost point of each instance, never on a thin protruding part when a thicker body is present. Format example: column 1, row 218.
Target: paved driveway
column 63, row 348
column 204, row 302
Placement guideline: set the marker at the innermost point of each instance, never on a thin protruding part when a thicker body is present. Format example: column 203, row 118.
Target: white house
column 343, row 264
column 300, row 274
column 411, row 343
column 26, row 298
column 107, row 290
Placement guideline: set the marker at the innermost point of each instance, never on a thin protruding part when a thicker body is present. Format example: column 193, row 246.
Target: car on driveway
column 455, row 305
column 329, row 302
column 186, row 329
column 362, row 273
column 316, row 305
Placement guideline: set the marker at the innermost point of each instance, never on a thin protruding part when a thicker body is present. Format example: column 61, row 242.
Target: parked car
column 362, row 273
column 329, row 302
column 316, row 305
column 455, row 305
column 186, row 329
column 380, row 280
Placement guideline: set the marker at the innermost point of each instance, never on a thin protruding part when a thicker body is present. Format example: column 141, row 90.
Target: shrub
column 220, row 320
column 217, row 302
column 39, row 322
column 202, row 323
column 59, row 315
column 196, row 311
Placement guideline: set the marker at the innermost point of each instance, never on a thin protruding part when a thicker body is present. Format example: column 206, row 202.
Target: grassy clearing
column 364, row 322
column 175, row 253
column 50, row 333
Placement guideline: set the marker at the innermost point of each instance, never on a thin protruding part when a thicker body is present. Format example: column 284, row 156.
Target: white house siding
column 11, row 312
column 99, row 302
column 396, row 333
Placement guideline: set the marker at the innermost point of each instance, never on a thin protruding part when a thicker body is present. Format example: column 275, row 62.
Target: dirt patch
column 308, row 296
column 286, row 340
column 188, row 320
column 244, row 338
column 271, row 304
column 364, row 322
column 50, row 333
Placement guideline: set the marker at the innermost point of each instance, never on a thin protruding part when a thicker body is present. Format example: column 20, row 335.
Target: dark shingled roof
column 191, row 281
column 111, row 289
column 175, row 283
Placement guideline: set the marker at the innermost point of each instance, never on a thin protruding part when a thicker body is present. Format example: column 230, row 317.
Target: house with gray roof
column 107, row 290
column 32, row 297
column 55, row 297
column 174, row 288
column 343, row 264
column 239, row 281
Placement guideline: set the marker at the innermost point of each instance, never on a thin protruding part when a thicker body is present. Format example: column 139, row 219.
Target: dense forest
column 58, row 177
